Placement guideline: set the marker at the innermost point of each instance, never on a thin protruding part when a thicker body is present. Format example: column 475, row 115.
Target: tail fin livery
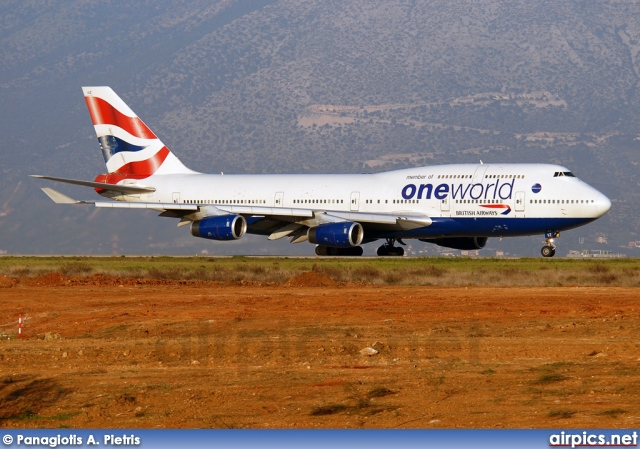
column 130, row 149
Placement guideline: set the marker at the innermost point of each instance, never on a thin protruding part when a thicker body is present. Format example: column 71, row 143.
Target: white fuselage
column 540, row 197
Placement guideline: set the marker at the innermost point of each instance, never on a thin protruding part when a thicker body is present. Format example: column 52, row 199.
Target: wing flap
column 153, row 206
column 267, row 211
column 285, row 231
column 405, row 222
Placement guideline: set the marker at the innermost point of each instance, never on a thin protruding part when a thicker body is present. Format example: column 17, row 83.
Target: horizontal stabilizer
column 130, row 189
column 59, row 198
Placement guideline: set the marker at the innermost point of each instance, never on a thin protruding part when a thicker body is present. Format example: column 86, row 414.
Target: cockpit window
column 564, row 173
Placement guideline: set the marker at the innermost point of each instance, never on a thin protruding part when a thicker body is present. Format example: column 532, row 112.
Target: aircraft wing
column 276, row 222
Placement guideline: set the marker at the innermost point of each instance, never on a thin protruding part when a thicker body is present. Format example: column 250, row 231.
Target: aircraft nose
column 603, row 204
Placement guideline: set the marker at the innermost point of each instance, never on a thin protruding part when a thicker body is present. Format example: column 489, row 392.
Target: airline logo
column 498, row 190
column 129, row 147
column 506, row 209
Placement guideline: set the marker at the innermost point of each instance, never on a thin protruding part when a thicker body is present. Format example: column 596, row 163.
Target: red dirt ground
column 106, row 352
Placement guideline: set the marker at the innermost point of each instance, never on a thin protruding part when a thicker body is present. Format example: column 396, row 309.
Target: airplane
column 455, row 206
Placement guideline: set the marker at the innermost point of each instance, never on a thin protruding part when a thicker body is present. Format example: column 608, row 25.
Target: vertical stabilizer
column 129, row 147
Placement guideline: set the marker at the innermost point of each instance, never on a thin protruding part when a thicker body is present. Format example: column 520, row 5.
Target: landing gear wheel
column 331, row 251
column 355, row 251
column 322, row 250
column 389, row 250
column 398, row 251
column 548, row 251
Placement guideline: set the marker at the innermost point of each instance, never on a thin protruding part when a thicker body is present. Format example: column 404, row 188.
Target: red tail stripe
column 146, row 167
column 134, row 170
column 102, row 113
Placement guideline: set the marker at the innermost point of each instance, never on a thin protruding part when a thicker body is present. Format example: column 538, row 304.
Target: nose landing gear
column 389, row 250
column 549, row 249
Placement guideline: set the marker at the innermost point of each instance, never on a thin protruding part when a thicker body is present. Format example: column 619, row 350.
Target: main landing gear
column 549, row 250
column 389, row 250
column 322, row 250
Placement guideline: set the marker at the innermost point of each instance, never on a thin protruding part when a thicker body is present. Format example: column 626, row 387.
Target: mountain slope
column 290, row 86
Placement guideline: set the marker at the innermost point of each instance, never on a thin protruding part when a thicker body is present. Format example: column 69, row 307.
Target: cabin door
column 444, row 204
column 278, row 200
column 355, row 201
column 478, row 176
column 520, row 201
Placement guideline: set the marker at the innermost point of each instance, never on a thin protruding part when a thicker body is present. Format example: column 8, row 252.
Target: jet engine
column 464, row 243
column 223, row 227
column 338, row 235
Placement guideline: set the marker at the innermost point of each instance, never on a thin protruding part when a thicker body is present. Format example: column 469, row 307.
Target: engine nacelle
column 223, row 227
column 464, row 243
column 338, row 235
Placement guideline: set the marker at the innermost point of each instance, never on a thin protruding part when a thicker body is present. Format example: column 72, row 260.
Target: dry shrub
column 613, row 413
column 76, row 269
column 428, row 271
column 200, row 273
column 157, row 273
column 21, row 271
column 510, row 271
column 366, row 274
column 393, row 278
column 257, row 269
column 598, row 268
column 379, row 392
column 550, row 378
column 607, row 279
column 561, row 414
column 177, row 274
column 30, row 271
column 328, row 410
column 515, row 276
column 335, row 273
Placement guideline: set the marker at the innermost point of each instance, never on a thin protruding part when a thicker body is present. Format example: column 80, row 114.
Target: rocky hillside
column 291, row 86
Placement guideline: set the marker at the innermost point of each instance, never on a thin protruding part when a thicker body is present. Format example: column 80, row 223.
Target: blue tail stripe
column 111, row 145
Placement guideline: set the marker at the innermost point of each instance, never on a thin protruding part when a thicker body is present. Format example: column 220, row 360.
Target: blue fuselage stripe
column 483, row 227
